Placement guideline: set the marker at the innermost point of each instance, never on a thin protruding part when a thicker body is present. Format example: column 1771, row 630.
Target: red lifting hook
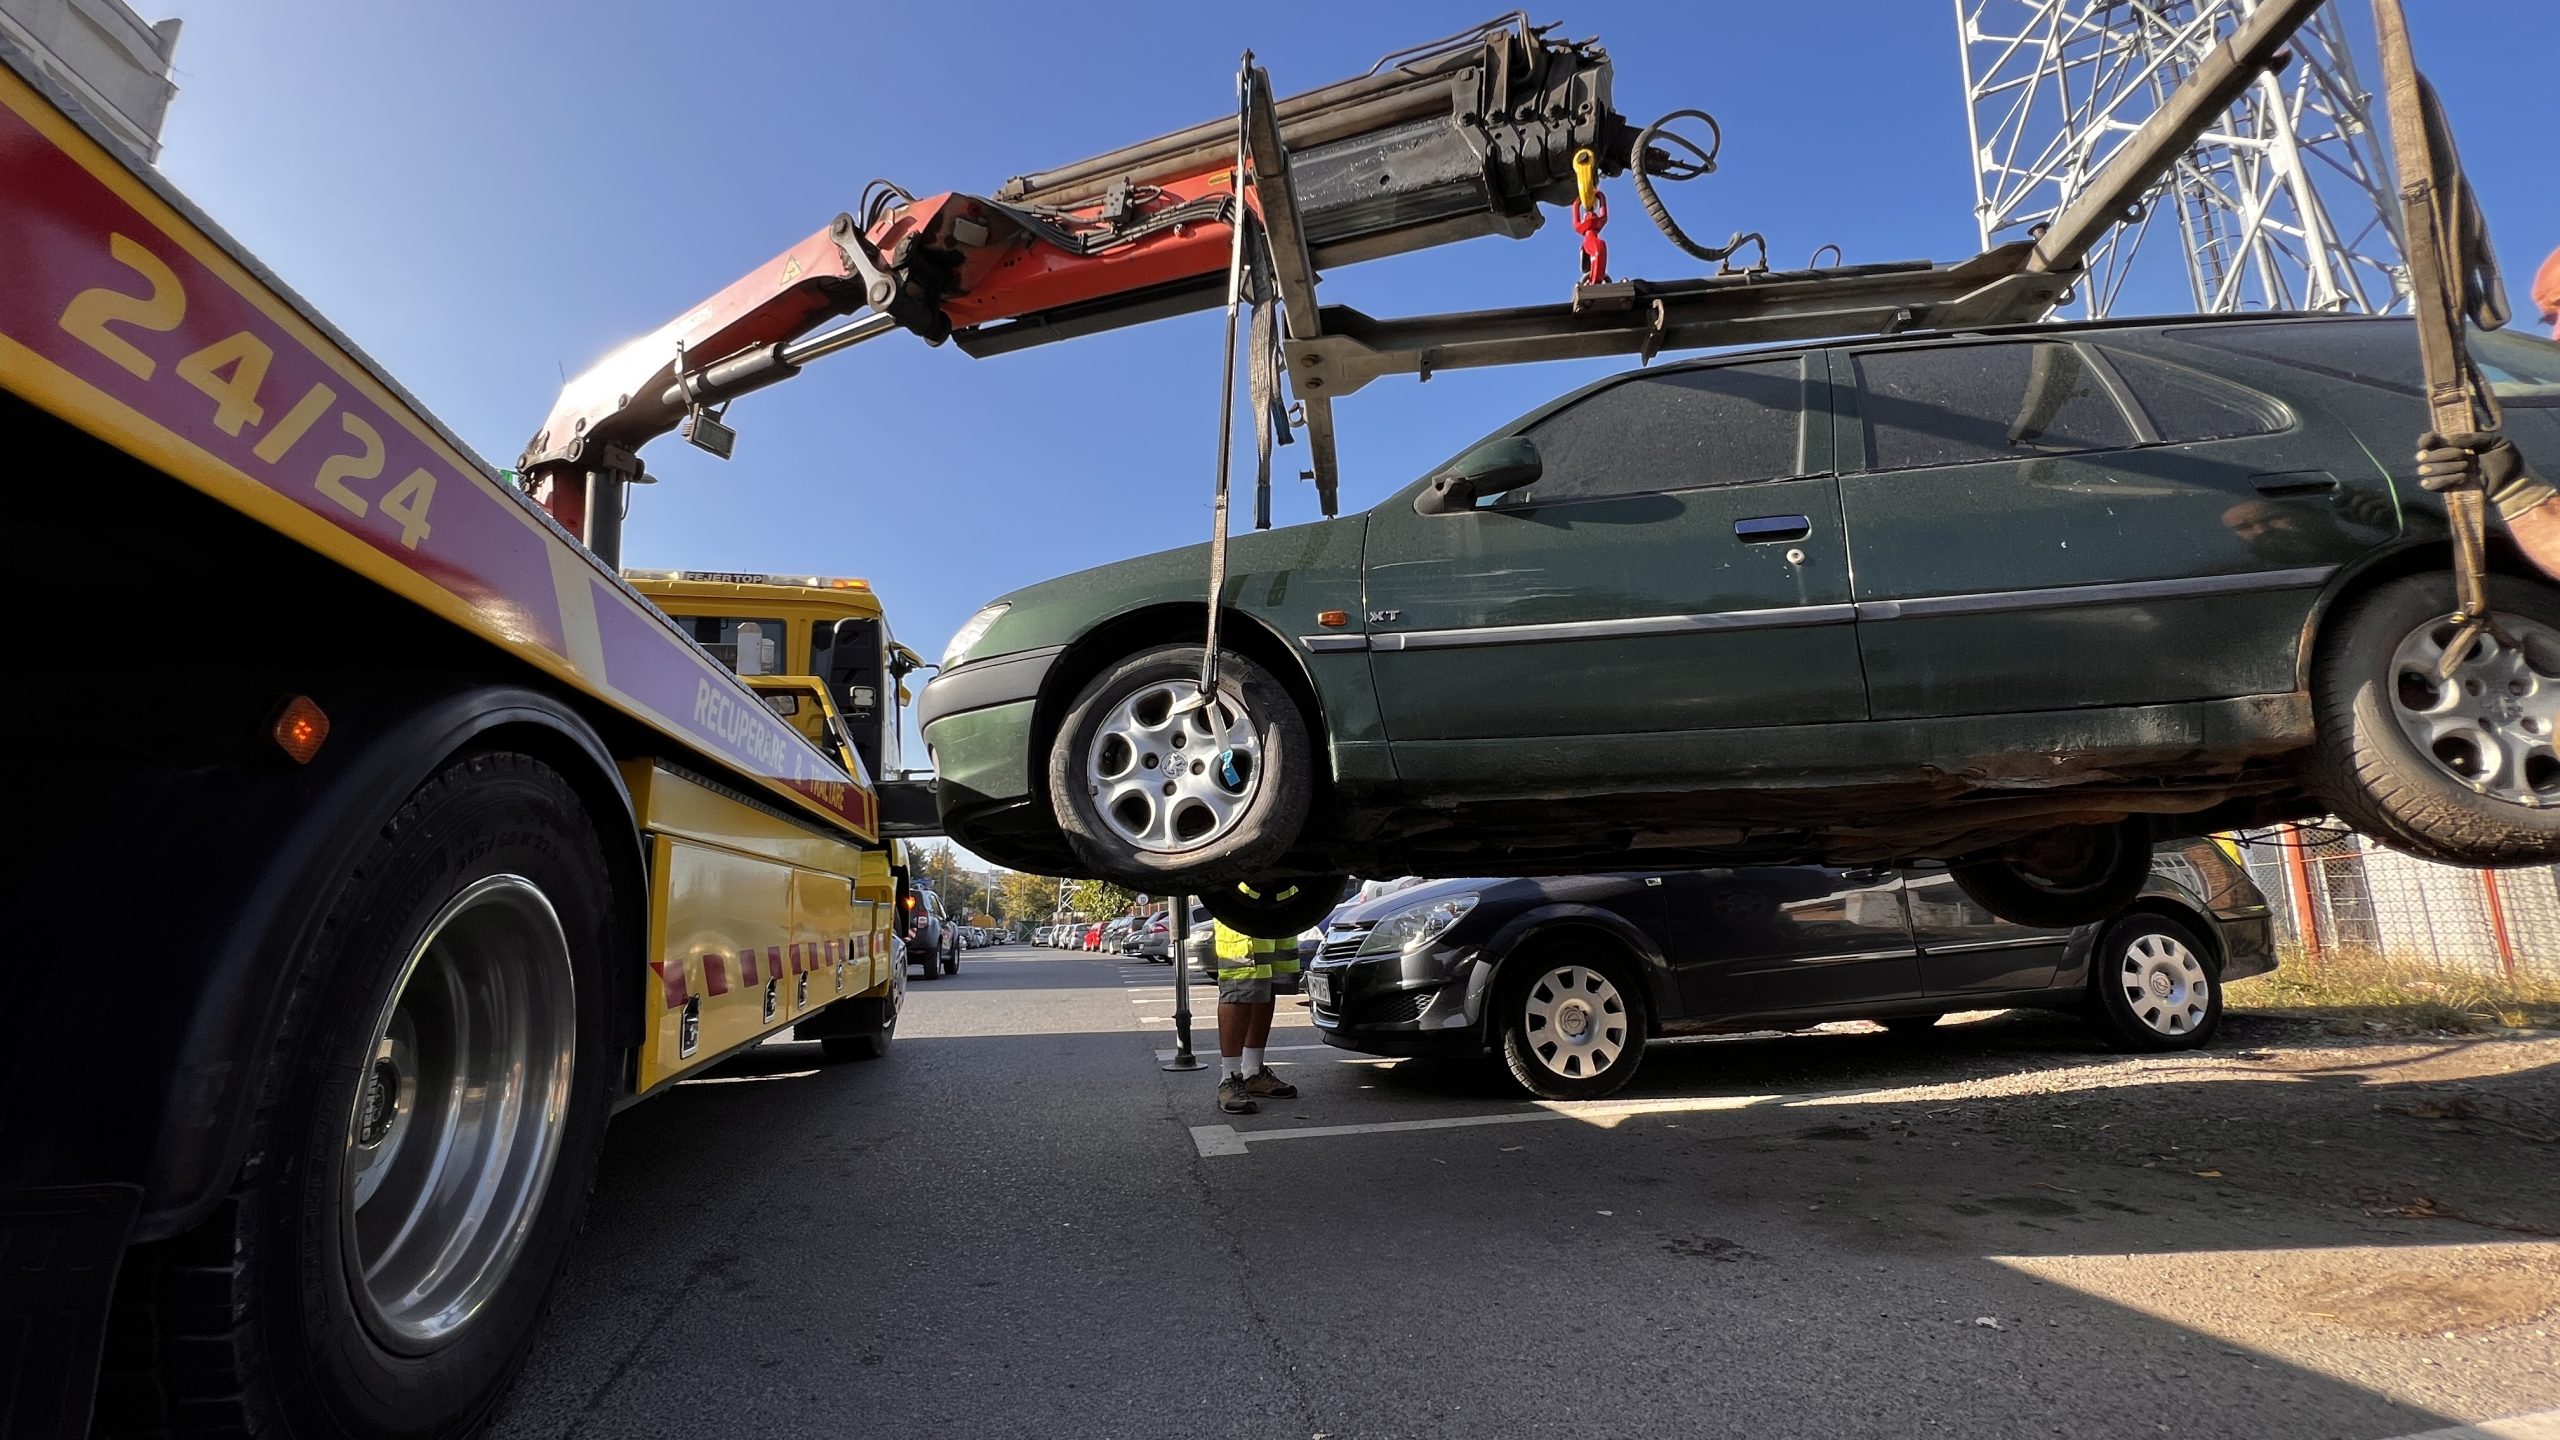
column 1590, row 213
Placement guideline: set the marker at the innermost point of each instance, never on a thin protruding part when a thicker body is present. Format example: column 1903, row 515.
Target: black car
column 1565, row 979
column 933, row 941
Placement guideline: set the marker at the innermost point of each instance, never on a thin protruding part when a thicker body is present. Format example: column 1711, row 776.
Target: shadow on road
column 2008, row 1231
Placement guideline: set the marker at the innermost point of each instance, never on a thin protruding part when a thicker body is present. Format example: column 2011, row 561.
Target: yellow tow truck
column 376, row 842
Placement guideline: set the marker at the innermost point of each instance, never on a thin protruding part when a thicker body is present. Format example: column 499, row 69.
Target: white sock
column 1235, row 1066
column 1252, row 1061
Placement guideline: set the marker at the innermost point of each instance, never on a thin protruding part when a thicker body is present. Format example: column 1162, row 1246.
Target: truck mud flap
column 908, row 810
column 59, row 1250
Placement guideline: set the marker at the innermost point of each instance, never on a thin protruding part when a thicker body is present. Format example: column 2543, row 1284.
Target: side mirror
column 1488, row 469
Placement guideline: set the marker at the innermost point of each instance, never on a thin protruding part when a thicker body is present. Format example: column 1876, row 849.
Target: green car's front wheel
column 1152, row 788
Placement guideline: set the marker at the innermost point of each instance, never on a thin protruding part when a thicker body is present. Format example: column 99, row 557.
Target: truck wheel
column 2058, row 878
column 873, row 1024
column 426, row 1137
column 1572, row 1025
column 880, row 1026
column 2461, row 770
column 1157, row 798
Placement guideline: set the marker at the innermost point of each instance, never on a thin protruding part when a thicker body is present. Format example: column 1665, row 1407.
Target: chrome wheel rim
column 1166, row 780
column 1576, row 1022
column 2164, row 985
column 458, row 1113
column 2489, row 727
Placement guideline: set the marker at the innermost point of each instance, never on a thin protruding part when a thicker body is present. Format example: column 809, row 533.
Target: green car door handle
column 1764, row 529
column 2295, row 483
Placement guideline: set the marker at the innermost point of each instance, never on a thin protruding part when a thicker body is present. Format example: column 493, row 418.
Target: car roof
column 2057, row 328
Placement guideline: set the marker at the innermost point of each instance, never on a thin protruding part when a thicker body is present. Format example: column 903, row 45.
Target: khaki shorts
column 1249, row 981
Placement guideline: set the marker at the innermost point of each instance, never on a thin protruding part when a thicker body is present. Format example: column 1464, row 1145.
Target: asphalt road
column 1017, row 1225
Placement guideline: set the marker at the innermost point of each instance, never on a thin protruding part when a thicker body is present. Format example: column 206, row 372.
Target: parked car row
column 1071, row 935
column 1565, row 980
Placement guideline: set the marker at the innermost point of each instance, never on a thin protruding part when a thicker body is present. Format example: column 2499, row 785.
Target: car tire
column 1283, row 914
column 2154, row 986
column 2056, row 879
column 1573, row 1023
column 930, row 967
column 1205, row 832
column 456, row 985
column 2466, row 772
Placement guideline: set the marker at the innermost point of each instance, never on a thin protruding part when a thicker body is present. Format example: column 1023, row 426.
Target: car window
column 1961, row 404
column 2378, row 352
column 2185, row 406
column 1721, row 425
column 2385, row 352
column 2517, row 367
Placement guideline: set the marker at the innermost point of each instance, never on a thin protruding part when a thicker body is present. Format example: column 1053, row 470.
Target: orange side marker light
column 1333, row 619
column 300, row 728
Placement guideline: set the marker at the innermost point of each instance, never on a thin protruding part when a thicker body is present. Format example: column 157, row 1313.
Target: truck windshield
column 750, row 647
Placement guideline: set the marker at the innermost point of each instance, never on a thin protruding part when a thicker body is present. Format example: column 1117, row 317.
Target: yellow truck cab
column 819, row 650
column 826, row 626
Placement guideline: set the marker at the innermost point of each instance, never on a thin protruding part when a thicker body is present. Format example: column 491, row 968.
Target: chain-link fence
column 2337, row 893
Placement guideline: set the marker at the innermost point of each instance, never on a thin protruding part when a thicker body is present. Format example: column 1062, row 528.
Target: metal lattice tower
column 2285, row 204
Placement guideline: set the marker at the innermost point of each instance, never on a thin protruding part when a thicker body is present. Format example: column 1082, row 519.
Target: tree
column 1026, row 897
column 1099, row 898
column 936, row 868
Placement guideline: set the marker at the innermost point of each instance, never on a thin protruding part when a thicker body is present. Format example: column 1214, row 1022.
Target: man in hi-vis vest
column 1246, row 967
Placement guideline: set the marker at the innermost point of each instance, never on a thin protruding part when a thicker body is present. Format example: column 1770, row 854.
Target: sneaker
column 1263, row 1085
column 1235, row 1096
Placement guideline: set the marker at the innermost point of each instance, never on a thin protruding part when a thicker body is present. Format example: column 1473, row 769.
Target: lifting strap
column 2453, row 275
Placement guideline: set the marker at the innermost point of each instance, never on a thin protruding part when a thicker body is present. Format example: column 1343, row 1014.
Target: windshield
column 748, row 646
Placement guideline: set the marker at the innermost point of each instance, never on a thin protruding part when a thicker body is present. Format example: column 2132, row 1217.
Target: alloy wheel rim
column 1576, row 1022
column 2164, row 985
column 2490, row 726
column 458, row 1113
column 1165, row 780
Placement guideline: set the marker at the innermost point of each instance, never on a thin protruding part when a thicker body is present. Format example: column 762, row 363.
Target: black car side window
column 1676, row 430
column 2185, row 406
column 1962, row 404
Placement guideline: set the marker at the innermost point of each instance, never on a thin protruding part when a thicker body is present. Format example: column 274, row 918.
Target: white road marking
column 1602, row 1113
column 1267, row 1049
column 2542, row 1426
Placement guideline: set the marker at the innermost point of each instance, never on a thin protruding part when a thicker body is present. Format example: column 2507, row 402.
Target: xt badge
column 1383, row 617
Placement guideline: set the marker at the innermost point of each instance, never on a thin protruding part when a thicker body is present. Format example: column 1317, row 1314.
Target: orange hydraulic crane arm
column 1464, row 136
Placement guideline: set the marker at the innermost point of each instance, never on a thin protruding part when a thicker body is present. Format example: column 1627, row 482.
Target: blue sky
column 486, row 193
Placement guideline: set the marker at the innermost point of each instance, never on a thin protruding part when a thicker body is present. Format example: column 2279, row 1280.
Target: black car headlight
column 1415, row 926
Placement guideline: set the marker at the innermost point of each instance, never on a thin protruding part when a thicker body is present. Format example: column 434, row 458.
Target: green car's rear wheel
column 2069, row 875
column 1154, row 790
column 1280, row 910
column 2460, row 768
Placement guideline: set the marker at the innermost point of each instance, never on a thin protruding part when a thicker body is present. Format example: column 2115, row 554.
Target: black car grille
column 1401, row 1008
column 1344, row 940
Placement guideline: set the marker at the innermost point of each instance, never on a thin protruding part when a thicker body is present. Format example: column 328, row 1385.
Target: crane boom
column 1461, row 137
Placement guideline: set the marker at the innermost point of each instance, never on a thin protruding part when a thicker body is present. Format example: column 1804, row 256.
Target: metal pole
column 2297, row 871
column 605, row 490
column 1178, row 935
column 2498, row 924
